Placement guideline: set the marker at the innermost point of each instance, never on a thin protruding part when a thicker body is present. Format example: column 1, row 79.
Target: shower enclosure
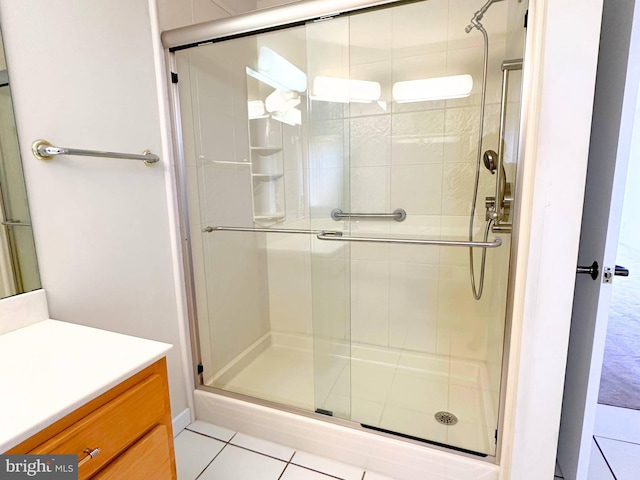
column 328, row 174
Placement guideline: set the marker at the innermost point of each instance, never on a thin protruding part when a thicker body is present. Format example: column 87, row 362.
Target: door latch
column 609, row 273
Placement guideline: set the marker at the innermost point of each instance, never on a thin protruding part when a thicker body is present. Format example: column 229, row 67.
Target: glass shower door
column 291, row 133
column 400, row 343
column 329, row 189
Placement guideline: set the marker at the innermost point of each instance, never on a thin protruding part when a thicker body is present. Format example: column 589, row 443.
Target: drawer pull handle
column 90, row 454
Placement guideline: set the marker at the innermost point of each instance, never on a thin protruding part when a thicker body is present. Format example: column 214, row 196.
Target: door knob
column 592, row 270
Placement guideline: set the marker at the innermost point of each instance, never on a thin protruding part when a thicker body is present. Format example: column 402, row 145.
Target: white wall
column 83, row 76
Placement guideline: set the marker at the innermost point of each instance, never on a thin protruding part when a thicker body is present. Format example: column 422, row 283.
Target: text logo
column 44, row 467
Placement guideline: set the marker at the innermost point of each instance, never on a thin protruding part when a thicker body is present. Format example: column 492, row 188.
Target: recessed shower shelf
column 269, row 217
column 264, row 151
column 267, row 177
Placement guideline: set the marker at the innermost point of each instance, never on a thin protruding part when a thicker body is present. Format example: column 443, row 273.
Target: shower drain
column 446, row 418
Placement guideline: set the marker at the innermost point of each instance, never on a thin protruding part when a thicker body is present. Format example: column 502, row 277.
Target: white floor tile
column 330, row 467
column 193, row 453
column 211, row 430
column 294, row 472
column 263, row 446
column 235, row 463
column 375, row 476
column 598, row 468
column 623, row 457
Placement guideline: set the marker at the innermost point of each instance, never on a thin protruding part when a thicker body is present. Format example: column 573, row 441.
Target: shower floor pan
column 393, row 390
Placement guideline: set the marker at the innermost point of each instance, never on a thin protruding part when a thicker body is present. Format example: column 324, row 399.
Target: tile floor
column 611, row 460
column 614, row 460
column 394, row 390
column 205, row 452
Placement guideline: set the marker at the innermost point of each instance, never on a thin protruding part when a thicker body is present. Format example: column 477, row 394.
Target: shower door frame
column 263, row 21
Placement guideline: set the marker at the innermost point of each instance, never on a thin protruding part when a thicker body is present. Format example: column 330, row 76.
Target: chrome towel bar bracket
column 334, row 235
column 43, row 150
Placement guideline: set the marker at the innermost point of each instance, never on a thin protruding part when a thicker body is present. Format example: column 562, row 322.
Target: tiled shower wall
column 376, row 157
column 418, row 156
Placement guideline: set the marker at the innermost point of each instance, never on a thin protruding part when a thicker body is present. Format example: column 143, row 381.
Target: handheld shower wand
column 475, row 23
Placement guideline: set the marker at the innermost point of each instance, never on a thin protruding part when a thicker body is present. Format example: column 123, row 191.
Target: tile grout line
column 287, row 463
column 217, row 454
column 605, row 458
column 212, row 460
column 616, row 439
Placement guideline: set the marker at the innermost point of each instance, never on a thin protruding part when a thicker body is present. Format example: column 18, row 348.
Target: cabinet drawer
column 113, row 427
column 149, row 458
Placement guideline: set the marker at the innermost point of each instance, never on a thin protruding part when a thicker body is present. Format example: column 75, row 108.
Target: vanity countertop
column 51, row 368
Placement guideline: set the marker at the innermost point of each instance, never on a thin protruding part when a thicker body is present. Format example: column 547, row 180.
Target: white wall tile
column 458, row 180
column 417, row 188
column 417, row 137
column 370, row 140
column 289, row 292
column 413, row 306
column 370, row 302
column 369, row 189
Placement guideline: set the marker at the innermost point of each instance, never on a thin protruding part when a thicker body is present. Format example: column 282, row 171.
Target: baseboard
column 181, row 421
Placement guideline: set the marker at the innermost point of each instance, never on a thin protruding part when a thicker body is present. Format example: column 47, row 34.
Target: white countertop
column 50, row 368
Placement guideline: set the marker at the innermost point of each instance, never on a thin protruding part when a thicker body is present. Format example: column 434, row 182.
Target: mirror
column 18, row 263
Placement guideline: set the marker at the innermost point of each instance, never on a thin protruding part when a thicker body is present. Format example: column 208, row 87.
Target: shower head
column 475, row 20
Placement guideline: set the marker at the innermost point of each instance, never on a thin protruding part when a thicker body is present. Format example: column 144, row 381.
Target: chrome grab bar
column 43, row 150
column 15, row 223
column 338, row 236
column 399, row 214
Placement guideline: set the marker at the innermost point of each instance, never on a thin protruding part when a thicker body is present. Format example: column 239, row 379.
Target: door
column 614, row 107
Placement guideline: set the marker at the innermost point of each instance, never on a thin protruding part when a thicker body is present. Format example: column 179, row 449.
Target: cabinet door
column 150, row 457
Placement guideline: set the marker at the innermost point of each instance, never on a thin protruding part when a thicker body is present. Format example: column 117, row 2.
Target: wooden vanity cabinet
column 130, row 425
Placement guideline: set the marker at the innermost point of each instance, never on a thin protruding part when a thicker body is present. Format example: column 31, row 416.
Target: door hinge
column 174, row 77
column 200, row 369
column 526, row 18
column 496, row 436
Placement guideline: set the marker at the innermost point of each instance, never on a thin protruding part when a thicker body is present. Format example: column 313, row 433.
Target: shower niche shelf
column 267, row 170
